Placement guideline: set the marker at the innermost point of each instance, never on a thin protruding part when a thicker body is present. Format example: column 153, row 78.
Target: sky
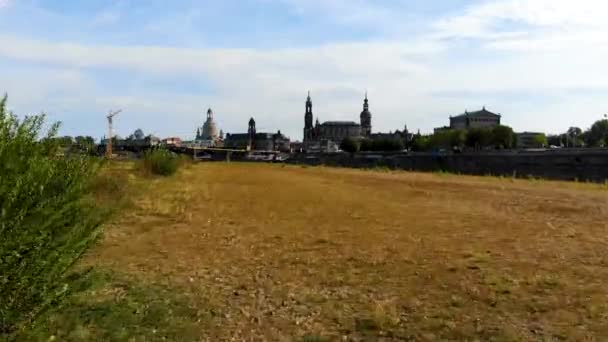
column 541, row 64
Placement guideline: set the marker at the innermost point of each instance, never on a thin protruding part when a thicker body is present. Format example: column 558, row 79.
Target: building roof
column 237, row 136
column 261, row 135
column 482, row 112
column 340, row 123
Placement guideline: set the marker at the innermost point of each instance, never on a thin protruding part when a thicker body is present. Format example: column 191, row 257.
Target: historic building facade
column 208, row 135
column 478, row 119
column 336, row 131
column 256, row 141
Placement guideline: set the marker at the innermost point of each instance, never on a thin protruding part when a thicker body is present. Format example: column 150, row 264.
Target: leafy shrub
column 384, row 144
column 349, row 145
column 47, row 218
column 366, row 145
column 160, row 162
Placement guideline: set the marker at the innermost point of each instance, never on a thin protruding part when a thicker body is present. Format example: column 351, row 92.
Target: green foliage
column 160, row 162
column 386, row 144
column 554, row 140
column 47, row 219
column 137, row 135
column 541, row 140
column 389, row 145
column 503, row 137
column 84, row 144
column 367, row 145
column 102, row 306
column 420, row 143
column 447, row 139
column 597, row 135
column 475, row 138
column 478, row 138
column 349, row 145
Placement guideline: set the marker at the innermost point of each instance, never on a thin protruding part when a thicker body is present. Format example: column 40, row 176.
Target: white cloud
column 521, row 24
column 4, row 3
column 521, row 47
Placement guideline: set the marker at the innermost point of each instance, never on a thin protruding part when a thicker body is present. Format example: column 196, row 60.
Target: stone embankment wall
column 575, row 164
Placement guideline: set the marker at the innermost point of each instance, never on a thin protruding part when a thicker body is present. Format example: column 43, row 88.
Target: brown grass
column 280, row 252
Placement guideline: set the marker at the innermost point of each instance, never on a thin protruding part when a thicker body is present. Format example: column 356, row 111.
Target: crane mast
column 111, row 114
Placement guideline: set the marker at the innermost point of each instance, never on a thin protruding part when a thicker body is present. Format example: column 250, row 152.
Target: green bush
column 382, row 145
column 47, row 218
column 160, row 162
column 349, row 145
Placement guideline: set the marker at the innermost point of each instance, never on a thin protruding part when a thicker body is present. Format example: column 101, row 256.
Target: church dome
column 210, row 131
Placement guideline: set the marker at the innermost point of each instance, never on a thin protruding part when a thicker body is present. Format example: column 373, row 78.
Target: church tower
column 366, row 119
column 251, row 131
column 308, row 128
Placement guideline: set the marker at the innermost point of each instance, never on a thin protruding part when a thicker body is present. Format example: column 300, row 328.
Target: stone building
column 405, row 136
column 335, row 131
column 478, row 119
column 208, row 135
column 256, row 141
column 530, row 139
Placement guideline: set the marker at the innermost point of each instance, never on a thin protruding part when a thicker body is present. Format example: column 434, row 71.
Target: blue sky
column 540, row 63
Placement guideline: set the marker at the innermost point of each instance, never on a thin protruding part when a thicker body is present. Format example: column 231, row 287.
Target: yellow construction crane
column 111, row 114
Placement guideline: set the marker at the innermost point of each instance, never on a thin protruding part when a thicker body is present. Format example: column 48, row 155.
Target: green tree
column 597, row 135
column 478, row 138
column 420, row 143
column 503, row 137
column 367, row 145
column 554, row 140
column 138, row 134
column 440, row 139
column 349, row 145
column 540, row 140
column 47, row 220
column 387, row 144
column 85, row 144
column 457, row 138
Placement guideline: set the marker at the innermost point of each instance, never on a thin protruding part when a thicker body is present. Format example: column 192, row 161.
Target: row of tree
column 499, row 137
column 596, row 136
column 503, row 137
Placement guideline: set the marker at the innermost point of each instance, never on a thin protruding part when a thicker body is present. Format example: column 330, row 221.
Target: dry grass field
column 279, row 253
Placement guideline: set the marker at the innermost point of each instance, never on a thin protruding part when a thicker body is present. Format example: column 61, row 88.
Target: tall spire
column 309, row 95
column 366, row 118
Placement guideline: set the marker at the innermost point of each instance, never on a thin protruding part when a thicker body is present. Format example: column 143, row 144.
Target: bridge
column 197, row 152
column 224, row 154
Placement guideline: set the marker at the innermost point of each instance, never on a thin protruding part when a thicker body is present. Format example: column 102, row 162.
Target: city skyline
column 538, row 62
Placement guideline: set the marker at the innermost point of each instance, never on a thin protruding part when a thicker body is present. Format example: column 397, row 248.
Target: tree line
column 595, row 136
column 498, row 137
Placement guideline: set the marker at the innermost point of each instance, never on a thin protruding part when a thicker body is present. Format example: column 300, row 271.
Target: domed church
column 209, row 132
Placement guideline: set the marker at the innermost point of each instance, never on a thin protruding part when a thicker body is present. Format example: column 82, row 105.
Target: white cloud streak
column 524, row 47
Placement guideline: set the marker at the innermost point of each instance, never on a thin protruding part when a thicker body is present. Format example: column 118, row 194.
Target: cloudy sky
column 542, row 64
